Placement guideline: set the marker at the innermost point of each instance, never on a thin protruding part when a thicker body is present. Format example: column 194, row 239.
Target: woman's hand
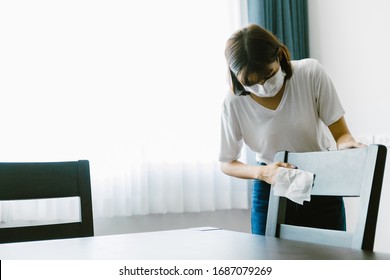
column 270, row 171
column 350, row 145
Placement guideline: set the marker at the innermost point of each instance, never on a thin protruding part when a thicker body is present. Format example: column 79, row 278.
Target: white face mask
column 270, row 87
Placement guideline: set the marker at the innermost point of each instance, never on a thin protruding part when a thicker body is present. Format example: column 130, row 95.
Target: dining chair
column 346, row 173
column 46, row 180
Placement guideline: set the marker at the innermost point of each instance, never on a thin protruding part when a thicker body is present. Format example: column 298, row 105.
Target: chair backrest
column 41, row 180
column 346, row 173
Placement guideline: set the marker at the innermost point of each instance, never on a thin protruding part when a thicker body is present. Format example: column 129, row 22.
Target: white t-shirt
column 309, row 104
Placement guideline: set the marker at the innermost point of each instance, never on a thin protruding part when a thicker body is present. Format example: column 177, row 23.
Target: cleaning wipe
column 295, row 184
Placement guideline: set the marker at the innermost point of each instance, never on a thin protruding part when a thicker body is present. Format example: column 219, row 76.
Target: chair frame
column 41, row 180
column 347, row 173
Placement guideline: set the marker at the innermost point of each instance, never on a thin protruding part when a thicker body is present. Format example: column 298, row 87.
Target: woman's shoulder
column 231, row 98
column 306, row 64
column 307, row 68
column 233, row 101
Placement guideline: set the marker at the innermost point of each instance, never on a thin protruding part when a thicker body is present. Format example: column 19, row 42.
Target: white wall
column 351, row 39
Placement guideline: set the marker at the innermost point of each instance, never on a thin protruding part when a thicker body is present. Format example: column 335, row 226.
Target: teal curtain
column 287, row 19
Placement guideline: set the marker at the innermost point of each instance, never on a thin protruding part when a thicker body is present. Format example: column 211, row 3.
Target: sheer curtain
column 135, row 87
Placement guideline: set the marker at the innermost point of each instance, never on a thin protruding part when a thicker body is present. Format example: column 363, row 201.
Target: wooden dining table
column 206, row 243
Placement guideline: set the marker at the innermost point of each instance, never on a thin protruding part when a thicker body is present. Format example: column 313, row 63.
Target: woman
column 278, row 104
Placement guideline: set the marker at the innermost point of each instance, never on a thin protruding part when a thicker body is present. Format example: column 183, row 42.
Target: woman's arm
column 339, row 130
column 343, row 136
column 245, row 171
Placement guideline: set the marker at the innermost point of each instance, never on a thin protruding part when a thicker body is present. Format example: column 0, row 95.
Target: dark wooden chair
column 346, row 173
column 42, row 180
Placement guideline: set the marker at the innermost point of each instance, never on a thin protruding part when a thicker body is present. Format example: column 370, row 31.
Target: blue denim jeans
column 259, row 210
column 320, row 212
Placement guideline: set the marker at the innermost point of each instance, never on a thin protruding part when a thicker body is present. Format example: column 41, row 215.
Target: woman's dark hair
column 249, row 52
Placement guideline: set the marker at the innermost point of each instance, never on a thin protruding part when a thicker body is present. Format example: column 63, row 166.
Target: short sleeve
column 329, row 106
column 231, row 138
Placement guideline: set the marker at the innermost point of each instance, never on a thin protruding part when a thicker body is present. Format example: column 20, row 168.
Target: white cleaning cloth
column 294, row 184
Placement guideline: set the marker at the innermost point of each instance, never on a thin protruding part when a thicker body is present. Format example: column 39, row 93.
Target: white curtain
column 135, row 87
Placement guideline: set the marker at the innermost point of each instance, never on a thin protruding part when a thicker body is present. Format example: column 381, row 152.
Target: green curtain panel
column 287, row 19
